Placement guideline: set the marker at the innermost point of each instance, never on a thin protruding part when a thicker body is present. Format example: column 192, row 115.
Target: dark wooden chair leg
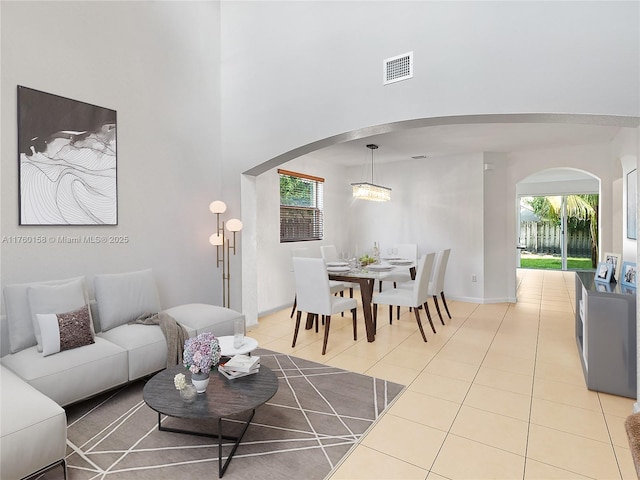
column 355, row 324
column 390, row 314
column 375, row 316
column 295, row 304
column 311, row 318
column 435, row 300
column 327, row 325
column 295, row 332
column 426, row 309
column 444, row 301
column 417, row 312
column 350, row 292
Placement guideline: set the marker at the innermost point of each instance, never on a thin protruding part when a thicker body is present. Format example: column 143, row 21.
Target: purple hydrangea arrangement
column 201, row 353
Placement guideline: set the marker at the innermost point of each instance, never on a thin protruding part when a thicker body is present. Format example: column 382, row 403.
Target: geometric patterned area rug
column 318, row 414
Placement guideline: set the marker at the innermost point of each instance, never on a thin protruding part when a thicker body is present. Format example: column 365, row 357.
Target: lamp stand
column 224, row 244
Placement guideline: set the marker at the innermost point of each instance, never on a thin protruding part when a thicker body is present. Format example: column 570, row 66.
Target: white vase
column 200, row 381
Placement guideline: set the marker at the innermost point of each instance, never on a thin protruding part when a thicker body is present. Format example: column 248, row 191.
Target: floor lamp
column 224, row 244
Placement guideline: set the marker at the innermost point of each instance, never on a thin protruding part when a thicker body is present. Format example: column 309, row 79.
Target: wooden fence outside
column 545, row 238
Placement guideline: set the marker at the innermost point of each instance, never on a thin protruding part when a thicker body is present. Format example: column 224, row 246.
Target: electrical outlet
column 474, row 278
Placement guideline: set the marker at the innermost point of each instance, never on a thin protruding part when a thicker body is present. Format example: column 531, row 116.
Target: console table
column 606, row 335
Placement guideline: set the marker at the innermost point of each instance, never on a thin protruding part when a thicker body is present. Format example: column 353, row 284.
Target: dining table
column 366, row 277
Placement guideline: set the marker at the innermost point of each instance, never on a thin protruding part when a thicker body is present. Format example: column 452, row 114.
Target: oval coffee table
column 223, row 398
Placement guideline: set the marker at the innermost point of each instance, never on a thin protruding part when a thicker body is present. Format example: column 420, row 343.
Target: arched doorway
column 558, row 219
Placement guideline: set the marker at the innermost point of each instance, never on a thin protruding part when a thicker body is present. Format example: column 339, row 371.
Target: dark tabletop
column 223, row 397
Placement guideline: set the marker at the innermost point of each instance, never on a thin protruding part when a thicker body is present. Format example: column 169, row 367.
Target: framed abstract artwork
column 67, row 161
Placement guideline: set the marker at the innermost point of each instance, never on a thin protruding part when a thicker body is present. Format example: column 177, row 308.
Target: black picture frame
column 632, row 204
column 67, row 157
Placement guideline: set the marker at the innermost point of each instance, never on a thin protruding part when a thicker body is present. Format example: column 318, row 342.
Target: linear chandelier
column 369, row 190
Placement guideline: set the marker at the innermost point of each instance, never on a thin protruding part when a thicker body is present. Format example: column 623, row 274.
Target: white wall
column 497, row 246
column 470, row 57
column 624, row 150
column 158, row 65
column 436, row 203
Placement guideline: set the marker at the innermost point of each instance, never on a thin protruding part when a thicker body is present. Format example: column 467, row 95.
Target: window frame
column 313, row 228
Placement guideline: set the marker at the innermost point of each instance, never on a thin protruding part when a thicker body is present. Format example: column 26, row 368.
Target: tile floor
column 497, row 393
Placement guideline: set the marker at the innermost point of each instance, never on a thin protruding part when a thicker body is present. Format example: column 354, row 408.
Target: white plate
column 337, row 264
column 379, row 268
column 391, row 258
column 337, row 269
column 401, row 262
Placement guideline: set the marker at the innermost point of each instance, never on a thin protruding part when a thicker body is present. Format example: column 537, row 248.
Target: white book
column 242, row 363
column 231, row 374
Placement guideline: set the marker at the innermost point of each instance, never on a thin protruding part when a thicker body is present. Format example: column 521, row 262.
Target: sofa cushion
column 54, row 299
column 19, row 322
column 123, row 297
column 34, row 428
column 145, row 346
column 64, row 331
column 72, row 375
column 202, row 317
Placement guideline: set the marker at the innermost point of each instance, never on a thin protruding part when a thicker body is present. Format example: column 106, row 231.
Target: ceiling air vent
column 398, row 68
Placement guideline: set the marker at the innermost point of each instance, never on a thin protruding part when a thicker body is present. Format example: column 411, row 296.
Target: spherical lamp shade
column 234, row 225
column 218, row 207
column 215, row 239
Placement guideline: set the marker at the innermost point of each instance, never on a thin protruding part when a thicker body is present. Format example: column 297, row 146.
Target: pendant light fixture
column 370, row 191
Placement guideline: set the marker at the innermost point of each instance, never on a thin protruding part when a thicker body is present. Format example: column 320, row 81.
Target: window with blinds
column 301, row 198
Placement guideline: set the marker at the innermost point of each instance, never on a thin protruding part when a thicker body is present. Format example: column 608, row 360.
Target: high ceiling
column 443, row 140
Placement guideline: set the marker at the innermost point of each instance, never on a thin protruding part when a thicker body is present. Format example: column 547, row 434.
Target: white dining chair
column 314, row 296
column 330, row 254
column 336, row 286
column 405, row 251
column 414, row 297
column 436, row 285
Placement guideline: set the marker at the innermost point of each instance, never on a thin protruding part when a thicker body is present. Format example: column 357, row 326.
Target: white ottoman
column 202, row 317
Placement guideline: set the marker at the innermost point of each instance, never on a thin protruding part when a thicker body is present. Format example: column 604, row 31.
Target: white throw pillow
column 19, row 321
column 123, row 297
column 54, row 299
column 64, row 331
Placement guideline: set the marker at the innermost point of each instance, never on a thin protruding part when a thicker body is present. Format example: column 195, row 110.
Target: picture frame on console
column 628, row 274
column 615, row 259
column 604, row 272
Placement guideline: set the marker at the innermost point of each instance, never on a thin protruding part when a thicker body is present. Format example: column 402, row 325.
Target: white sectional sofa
column 42, row 361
